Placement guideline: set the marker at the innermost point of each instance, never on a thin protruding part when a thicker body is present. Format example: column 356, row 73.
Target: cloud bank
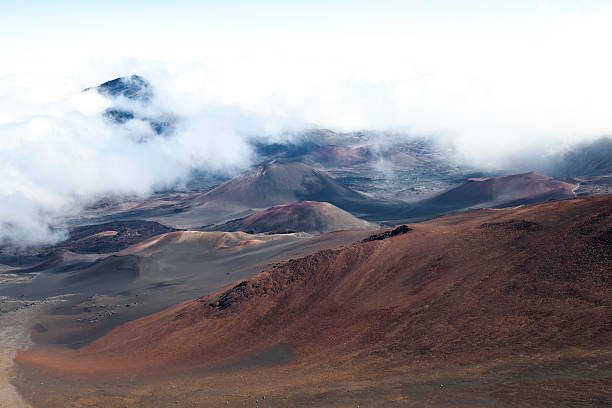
column 60, row 154
column 503, row 96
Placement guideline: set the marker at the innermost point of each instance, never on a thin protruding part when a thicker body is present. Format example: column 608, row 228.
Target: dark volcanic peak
column 133, row 87
column 136, row 89
column 306, row 216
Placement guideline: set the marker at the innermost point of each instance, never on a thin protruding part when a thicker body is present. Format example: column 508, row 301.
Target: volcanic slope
column 153, row 275
column 274, row 184
column 484, row 288
column 304, row 216
column 497, row 192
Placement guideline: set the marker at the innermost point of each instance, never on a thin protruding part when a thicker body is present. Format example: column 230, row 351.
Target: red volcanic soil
column 470, row 287
column 305, row 216
column 505, row 191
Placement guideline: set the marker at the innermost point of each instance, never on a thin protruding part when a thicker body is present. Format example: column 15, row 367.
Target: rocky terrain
column 338, row 269
column 481, row 297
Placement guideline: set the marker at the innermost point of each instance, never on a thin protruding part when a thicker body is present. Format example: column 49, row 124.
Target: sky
column 500, row 82
column 424, row 57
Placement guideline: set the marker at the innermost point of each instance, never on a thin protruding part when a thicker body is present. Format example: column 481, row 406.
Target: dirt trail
column 16, row 320
column 14, row 335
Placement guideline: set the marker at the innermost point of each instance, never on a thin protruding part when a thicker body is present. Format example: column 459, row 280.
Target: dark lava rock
column 402, row 229
column 234, row 295
column 91, row 238
column 40, row 328
column 512, row 225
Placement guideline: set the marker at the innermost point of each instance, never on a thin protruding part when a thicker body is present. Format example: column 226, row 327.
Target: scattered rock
column 40, row 328
column 402, row 229
column 512, row 225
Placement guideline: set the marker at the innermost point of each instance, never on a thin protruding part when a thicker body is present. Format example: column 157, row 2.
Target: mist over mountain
column 133, row 135
column 72, row 151
column 134, row 87
column 585, row 159
column 305, row 204
column 138, row 93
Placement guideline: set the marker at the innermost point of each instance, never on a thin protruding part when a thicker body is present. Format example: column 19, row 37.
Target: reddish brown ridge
column 466, row 287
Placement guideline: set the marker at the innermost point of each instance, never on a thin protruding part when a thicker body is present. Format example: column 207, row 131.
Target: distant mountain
column 340, row 156
column 497, row 192
column 274, row 184
column 271, row 184
column 137, row 91
column 589, row 159
column 265, row 186
column 324, row 149
column 288, row 150
column 133, row 87
column 306, row 216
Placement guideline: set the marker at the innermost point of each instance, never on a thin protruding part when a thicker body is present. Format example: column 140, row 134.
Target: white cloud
column 494, row 90
column 62, row 154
